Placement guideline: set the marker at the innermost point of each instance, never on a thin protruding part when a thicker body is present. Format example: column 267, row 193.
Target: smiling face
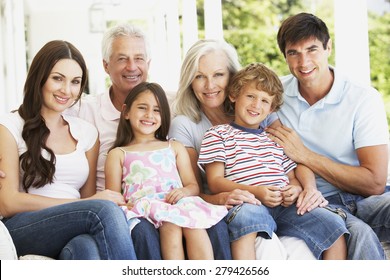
column 128, row 65
column 308, row 61
column 62, row 87
column 144, row 114
column 252, row 106
column 211, row 80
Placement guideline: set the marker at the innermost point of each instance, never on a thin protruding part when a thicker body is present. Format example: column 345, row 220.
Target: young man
column 339, row 130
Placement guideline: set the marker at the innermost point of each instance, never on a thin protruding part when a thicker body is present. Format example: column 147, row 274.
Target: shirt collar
column 249, row 130
column 109, row 112
column 333, row 97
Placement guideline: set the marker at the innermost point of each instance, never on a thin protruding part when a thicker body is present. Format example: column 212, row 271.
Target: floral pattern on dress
column 146, row 180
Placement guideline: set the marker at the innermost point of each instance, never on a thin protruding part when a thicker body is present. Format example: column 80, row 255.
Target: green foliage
column 379, row 40
column 257, row 46
column 252, row 25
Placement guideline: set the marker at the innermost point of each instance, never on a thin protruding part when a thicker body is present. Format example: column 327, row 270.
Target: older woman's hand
column 236, row 197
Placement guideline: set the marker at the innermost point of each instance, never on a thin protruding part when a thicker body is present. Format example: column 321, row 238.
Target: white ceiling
column 131, row 6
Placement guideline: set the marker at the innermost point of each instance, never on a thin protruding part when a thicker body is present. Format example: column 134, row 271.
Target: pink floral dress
column 147, row 178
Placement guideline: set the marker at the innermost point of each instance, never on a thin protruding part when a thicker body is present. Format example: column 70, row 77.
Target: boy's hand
column 290, row 194
column 271, row 196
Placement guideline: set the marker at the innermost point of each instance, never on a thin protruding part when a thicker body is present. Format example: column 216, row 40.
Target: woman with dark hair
column 48, row 199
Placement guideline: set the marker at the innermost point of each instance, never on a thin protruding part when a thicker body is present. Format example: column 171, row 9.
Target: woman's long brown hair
column 38, row 169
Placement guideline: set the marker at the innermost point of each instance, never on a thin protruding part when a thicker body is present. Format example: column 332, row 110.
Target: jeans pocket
column 233, row 214
column 337, row 211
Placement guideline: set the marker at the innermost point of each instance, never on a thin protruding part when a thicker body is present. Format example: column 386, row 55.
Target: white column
column 190, row 24
column 351, row 39
column 166, row 60
column 2, row 61
column 13, row 54
column 213, row 19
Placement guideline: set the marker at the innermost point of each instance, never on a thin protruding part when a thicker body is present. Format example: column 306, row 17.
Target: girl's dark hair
column 38, row 169
column 124, row 133
column 300, row 27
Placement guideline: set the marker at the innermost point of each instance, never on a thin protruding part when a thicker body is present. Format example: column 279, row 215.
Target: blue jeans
column 47, row 232
column 368, row 221
column 146, row 241
column 81, row 247
column 319, row 228
column 219, row 237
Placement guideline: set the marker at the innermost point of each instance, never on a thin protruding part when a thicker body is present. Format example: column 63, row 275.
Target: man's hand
column 290, row 141
column 309, row 200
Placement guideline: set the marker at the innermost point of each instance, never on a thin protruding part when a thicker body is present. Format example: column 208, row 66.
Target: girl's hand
column 236, row 197
column 130, row 205
column 176, row 194
column 290, row 194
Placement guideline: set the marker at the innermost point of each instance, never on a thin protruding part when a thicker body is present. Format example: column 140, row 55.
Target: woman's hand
column 236, row 197
column 110, row 195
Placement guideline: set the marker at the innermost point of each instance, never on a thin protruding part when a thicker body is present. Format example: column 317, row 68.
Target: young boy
column 241, row 155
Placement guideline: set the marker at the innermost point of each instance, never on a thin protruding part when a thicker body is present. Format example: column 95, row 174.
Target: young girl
column 156, row 178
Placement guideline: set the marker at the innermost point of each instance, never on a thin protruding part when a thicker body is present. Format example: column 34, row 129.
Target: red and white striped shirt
column 250, row 157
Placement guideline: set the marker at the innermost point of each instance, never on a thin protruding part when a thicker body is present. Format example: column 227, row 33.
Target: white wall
column 70, row 20
column 66, row 22
column 12, row 54
column 351, row 39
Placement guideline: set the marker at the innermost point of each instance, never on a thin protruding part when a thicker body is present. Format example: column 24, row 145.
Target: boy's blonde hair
column 263, row 78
